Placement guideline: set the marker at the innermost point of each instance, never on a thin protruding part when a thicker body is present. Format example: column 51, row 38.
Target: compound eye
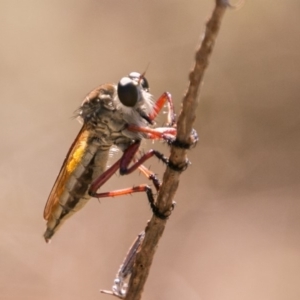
column 127, row 92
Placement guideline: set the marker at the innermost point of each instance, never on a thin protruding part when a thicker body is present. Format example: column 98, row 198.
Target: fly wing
column 71, row 161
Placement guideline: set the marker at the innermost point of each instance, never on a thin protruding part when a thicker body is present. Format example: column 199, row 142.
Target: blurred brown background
column 235, row 232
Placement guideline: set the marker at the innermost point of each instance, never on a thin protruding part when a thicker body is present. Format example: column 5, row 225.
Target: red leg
column 163, row 133
column 124, row 170
column 138, row 163
column 122, row 164
column 151, row 176
column 122, row 192
column 160, row 102
column 97, row 183
column 135, row 189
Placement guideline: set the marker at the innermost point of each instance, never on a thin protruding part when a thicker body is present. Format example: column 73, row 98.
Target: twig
column 155, row 226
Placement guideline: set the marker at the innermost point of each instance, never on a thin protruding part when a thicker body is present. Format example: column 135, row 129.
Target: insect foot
column 183, row 145
column 161, row 215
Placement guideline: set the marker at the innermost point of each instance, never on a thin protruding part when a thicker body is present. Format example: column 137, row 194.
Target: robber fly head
column 133, row 93
column 130, row 89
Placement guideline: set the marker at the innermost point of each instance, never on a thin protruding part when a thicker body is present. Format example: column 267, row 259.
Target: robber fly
column 119, row 115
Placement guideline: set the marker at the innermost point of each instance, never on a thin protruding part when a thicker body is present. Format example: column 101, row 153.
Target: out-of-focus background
column 235, row 232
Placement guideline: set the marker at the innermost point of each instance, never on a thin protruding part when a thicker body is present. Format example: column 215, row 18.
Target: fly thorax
column 98, row 102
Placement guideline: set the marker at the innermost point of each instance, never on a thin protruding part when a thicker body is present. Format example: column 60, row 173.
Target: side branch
column 155, row 226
